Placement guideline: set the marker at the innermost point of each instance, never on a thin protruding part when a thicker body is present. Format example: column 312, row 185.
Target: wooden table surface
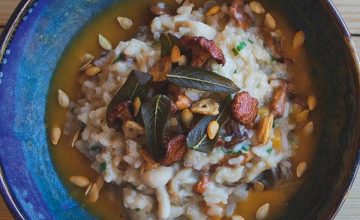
column 350, row 10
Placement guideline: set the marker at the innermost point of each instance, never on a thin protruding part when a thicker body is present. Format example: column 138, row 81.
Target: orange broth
column 69, row 161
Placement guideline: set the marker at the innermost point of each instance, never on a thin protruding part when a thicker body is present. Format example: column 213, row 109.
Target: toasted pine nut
column 79, row 181
column 270, row 21
column 256, row 7
column 237, row 217
column 299, row 39
column 104, row 43
column 213, row 129
column 125, row 22
column 183, row 60
column 175, row 54
column 259, row 186
column 63, row 99
column 312, row 102
column 213, row 10
column 92, row 71
column 55, row 134
column 300, row 169
column 263, row 212
column 309, row 128
column 187, row 117
column 94, row 193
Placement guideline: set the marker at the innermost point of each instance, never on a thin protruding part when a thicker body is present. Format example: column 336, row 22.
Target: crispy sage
column 198, row 139
column 135, row 86
column 156, row 113
column 201, row 79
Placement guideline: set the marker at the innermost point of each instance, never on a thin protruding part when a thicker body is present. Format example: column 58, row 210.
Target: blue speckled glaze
column 42, row 32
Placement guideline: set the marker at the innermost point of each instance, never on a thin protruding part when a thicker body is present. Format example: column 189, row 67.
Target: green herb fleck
column 245, row 149
column 121, row 57
column 250, row 41
column 236, row 50
column 137, row 209
column 241, row 46
column 102, row 166
column 269, row 150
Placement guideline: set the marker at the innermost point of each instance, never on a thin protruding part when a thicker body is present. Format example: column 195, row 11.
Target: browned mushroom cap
column 238, row 13
column 202, row 49
column 119, row 115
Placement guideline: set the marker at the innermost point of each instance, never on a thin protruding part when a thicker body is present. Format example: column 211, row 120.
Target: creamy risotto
column 191, row 114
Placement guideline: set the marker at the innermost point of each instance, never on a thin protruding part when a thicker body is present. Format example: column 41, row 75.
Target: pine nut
column 92, row 71
column 312, row 102
column 186, row 118
column 299, row 39
column 213, row 129
column 104, row 43
column 270, row 21
column 256, row 7
column 125, row 22
column 94, row 193
column 300, row 169
column 63, row 99
column 309, row 128
column 79, row 181
column 263, row 212
column 213, row 10
column 55, row 135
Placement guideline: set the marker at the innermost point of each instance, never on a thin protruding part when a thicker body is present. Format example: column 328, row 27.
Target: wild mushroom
column 237, row 11
column 157, row 179
column 201, row 50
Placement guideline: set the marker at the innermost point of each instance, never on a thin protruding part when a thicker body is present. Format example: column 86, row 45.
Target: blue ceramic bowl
column 34, row 40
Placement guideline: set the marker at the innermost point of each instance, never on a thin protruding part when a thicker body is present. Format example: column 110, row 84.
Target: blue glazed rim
column 5, row 39
column 22, row 10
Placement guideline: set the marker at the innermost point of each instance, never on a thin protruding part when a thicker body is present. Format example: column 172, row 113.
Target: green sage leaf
column 165, row 45
column 155, row 114
column 198, row 139
column 167, row 41
column 202, row 79
column 134, row 86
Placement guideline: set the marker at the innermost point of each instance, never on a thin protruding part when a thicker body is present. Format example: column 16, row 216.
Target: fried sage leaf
column 167, row 41
column 155, row 114
column 201, row 79
column 198, row 139
column 135, row 86
column 165, row 45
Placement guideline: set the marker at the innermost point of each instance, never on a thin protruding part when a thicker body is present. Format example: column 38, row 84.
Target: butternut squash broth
column 275, row 190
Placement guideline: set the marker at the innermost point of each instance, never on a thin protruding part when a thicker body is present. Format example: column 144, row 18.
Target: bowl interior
column 40, row 35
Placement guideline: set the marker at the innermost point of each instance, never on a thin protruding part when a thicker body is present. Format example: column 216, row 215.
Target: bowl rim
column 22, row 9
column 351, row 47
column 5, row 39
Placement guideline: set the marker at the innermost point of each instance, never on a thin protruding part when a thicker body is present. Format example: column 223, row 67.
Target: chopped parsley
column 121, row 57
column 236, row 50
column 102, row 167
column 269, row 150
